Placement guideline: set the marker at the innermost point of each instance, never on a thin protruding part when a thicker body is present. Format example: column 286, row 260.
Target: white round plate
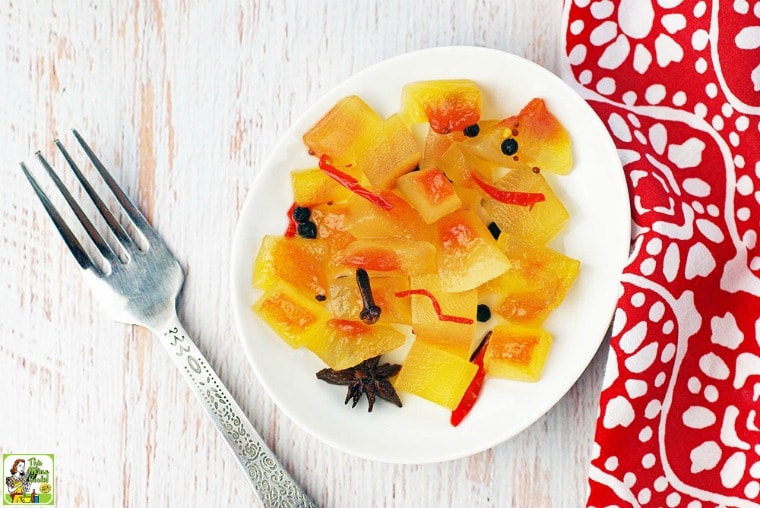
column 598, row 235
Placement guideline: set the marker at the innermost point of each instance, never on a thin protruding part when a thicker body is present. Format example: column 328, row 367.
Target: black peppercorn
column 484, row 313
column 307, row 229
column 495, row 230
column 301, row 214
column 509, row 146
column 472, row 131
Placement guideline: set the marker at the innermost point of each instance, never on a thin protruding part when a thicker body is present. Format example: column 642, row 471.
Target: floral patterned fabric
column 678, row 84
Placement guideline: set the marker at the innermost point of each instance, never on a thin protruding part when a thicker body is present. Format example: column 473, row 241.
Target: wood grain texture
column 184, row 100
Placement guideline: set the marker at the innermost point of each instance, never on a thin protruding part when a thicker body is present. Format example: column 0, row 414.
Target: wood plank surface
column 185, row 100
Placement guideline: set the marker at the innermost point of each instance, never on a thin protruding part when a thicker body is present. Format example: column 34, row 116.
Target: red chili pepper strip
column 352, row 184
column 292, row 226
column 436, row 306
column 473, row 390
column 509, row 197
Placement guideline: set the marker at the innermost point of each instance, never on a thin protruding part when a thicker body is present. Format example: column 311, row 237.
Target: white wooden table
column 186, row 99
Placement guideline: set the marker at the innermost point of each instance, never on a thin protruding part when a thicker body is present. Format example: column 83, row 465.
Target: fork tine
column 124, row 239
column 72, row 243
column 100, row 243
column 134, row 213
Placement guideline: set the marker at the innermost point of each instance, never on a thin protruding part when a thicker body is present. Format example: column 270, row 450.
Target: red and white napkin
column 678, row 84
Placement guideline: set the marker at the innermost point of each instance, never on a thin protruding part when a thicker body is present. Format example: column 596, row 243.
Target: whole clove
column 370, row 312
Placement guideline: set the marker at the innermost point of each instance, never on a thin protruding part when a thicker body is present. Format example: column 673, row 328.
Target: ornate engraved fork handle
column 272, row 484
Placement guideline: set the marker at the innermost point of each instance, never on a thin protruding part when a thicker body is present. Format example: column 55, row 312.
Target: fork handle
column 272, row 484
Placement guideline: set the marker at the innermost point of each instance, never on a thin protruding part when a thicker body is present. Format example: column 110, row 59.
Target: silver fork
column 140, row 285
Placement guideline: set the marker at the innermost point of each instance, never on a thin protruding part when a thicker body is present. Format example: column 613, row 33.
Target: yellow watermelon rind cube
column 448, row 105
column 467, row 253
column 536, row 283
column 345, row 302
column 343, row 131
column 293, row 316
column 392, row 152
column 517, row 353
column 429, row 192
column 435, row 374
column 313, row 186
column 538, row 223
column 343, row 343
column 298, row 261
column 456, row 338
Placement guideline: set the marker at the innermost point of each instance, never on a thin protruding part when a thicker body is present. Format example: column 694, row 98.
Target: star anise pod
column 368, row 377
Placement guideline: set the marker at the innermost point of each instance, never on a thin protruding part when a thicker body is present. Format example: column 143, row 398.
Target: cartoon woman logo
column 18, row 482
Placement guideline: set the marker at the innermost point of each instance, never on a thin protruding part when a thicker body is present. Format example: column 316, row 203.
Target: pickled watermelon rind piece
column 297, row 261
column 292, row 315
column 345, row 302
column 436, row 145
column 435, row 374
column 342, row 344
column 456, row 338
column 390, row 153
column 517, row 353
column 467, row 253
column 538, row 223
column 343, row 131
column 313, row 186
column 330, row 219
column 365, row 220
column 535, row 284
column 448, row 105
column 430, row 193
column 389, row 255
column 539, row 141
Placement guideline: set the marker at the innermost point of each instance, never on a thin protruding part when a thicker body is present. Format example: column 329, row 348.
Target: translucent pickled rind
column 365, row 220
column 454, row 337
column 448, row 105
column 298, row 261
column 538, row 223
column 459, row 163
column 313, row 187
column 517, row 353
column 540, row 140
column 435, row 146
column 292, row 315
column 400, row 255
column 435, row 375
column 345, row 302
column 343, row 131
column 535, row 284
column 467, row 252
column 330, row 219
column 430, row 193
column 342, row 344
column 392, row 152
